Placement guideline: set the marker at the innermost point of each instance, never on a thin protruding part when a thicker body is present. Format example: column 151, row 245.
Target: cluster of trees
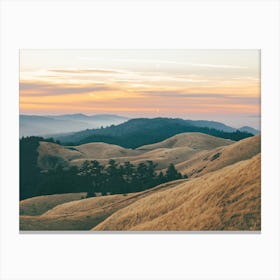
column 124, row 178
column 95, row 178
column 92, row 177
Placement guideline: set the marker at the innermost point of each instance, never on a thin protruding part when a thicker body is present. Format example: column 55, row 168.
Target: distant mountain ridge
column 249, row 129
column 67, row 124
column 143, row 131
column 222, row 126
column 211, row 124
column 32, row 125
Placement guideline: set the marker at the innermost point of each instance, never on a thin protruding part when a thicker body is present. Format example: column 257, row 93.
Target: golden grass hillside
column 162, row 157
column 50, row 153
column 84, row 214
column 227, row 199
column 221, row 193
column 194, row 140
column 104, row 150
column 40, row 204
column 208, row 161
column 176, row 149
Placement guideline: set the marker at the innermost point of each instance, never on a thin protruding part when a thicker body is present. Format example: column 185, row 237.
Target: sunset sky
column 221, row 85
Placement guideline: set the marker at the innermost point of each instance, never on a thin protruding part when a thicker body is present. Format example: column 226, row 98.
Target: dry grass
column 76, row 215
column 218, row 158
column 104, row 151
column 51, row 152
column 162, row 157
column 194, row 140
column 176, row 149
column 40, row 204
column 86, row 213
column 227, row 199
column 222, row 193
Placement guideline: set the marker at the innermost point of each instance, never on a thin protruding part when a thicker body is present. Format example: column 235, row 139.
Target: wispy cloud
column 85, row 71
column 223, row 66
column 254, row 79
column 202, row 65
column 180, row 94
column 218, row 97
column 48, row 89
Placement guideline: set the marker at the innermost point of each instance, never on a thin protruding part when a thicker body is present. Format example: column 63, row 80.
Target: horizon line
column 147, row 117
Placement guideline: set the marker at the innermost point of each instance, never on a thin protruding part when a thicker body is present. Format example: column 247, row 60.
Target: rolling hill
column 176, row 149
column 227, row 199
column 221, row 191
column 52, row 154
column 221, row 157
column 82, row 214
column 196, row 141
column 40, row 204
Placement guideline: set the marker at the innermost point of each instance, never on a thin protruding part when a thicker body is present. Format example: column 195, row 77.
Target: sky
column 219, row 85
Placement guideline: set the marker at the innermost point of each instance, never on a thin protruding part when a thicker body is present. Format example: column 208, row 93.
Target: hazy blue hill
column 71, row 117
column 212, row 124
column 83, row 117
column 39, row 125
column 138, row 132
column 249, row 129
column 109, row 116
column 32, row 125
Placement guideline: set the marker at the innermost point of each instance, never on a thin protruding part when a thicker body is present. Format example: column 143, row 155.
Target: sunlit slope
column 41, row 204
column 162, row 157
column 194, row 140
column 176, row 149
column 104, row 150
column 85, row 213
column 51, row 153
column 221, row 193
column 223, row 156
column 227, row 199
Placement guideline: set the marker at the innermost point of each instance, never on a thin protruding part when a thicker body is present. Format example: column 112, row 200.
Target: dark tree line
column 95, row 178
column 124, row 178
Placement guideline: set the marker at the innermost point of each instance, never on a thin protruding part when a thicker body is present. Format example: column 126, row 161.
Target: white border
column 140, row 24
